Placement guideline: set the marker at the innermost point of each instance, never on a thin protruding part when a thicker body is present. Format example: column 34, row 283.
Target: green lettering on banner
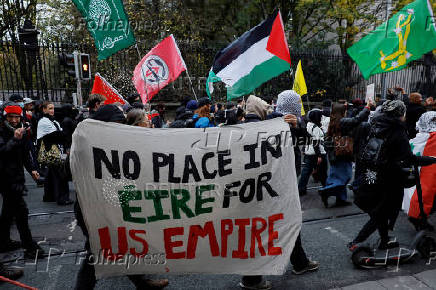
column 199, row 209
column 156, row 196
column 180, row 204
column 125, row 196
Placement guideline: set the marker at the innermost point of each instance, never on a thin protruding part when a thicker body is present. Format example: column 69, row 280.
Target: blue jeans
column 310, row 163
column 340, row 174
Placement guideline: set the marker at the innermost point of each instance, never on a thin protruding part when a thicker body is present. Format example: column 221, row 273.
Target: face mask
column 21, row 104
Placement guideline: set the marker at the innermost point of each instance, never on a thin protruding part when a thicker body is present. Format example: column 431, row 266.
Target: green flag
column 405, row 37
column 108, row 24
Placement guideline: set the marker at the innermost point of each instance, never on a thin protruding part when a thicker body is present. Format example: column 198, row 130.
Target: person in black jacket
column 414, row 111
column 257, row 111
column 86, row 276
column 50, row 133
column 379, row 192
column 68, row 123
column 13, row 155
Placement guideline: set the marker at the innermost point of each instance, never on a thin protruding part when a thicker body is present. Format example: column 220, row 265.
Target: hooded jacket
column 256, row 106
column 13, row 155
column 386, row 195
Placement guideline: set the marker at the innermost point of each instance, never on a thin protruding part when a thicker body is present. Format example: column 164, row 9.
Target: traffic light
column 85, row 67
column 70, row 62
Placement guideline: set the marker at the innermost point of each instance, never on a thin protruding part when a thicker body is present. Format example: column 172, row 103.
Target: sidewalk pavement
column 423, row 280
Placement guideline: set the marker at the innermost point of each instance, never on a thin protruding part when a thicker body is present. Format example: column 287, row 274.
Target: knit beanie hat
column 288, row 102
column 257, row 106
column 12, row 108
column 395, row 108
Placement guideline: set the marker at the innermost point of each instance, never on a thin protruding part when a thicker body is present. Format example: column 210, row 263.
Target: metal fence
column 36, row 72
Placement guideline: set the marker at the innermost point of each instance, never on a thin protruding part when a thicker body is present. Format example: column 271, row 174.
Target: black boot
column 10, row 273
column 34, row 252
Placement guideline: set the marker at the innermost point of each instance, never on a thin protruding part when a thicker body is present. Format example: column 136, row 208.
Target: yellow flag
column 300, row 85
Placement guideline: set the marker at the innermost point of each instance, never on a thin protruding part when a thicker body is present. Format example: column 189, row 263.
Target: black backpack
column 373, row 156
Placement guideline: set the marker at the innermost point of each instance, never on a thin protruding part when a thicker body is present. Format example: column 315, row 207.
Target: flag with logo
column 161, row 66
column 424, row 144
column 108, row 24
column 405, row 37
column 300, row 85
column 102, row 87
column 254, row 58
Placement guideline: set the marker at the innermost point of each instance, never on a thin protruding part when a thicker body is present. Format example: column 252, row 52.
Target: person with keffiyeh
column 424, row 144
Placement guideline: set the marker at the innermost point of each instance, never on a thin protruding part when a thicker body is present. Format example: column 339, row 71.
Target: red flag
column 102, row 87
column 161, row 66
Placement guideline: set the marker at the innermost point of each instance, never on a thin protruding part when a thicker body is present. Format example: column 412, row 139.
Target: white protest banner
column 217, row 200
column 370, row 93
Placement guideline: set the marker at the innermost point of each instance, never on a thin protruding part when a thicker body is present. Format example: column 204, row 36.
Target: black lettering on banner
column 171, row 177
column 229, row 193
column 127, row 156
column 159, row 160
column 222, row 162
column 251, row 184
column 101, row 157
column 253, row 163
column 262, row 182
column 207, row 174
column 275, row 152
column 190, row 168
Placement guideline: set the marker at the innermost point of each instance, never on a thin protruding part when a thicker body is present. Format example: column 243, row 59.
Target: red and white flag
column 161, row 66
column 102, row 87
column 424, row 144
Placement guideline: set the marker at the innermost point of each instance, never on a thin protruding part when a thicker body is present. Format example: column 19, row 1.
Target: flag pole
column 145, row 79
column 190, row 82
column 383, row 76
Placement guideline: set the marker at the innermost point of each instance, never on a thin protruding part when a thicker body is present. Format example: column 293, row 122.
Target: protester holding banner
column 86, row 277
column 138, row 117
column 289, row 106
column 257, row 111
column 50, row 134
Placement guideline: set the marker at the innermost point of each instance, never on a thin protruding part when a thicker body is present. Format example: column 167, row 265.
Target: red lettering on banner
column 241, row 253
column 234, row 229
column 273, row 235
column 225, row 232
column 255, row 235
column 194, row 232
column 134, row 235
column 106, row 244
column 169, row 244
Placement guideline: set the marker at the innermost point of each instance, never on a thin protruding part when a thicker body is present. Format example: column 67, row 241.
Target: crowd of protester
column 327, row 142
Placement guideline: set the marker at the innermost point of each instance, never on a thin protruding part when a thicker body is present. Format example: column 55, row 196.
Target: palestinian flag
column 424, row 144
column 254, row 58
